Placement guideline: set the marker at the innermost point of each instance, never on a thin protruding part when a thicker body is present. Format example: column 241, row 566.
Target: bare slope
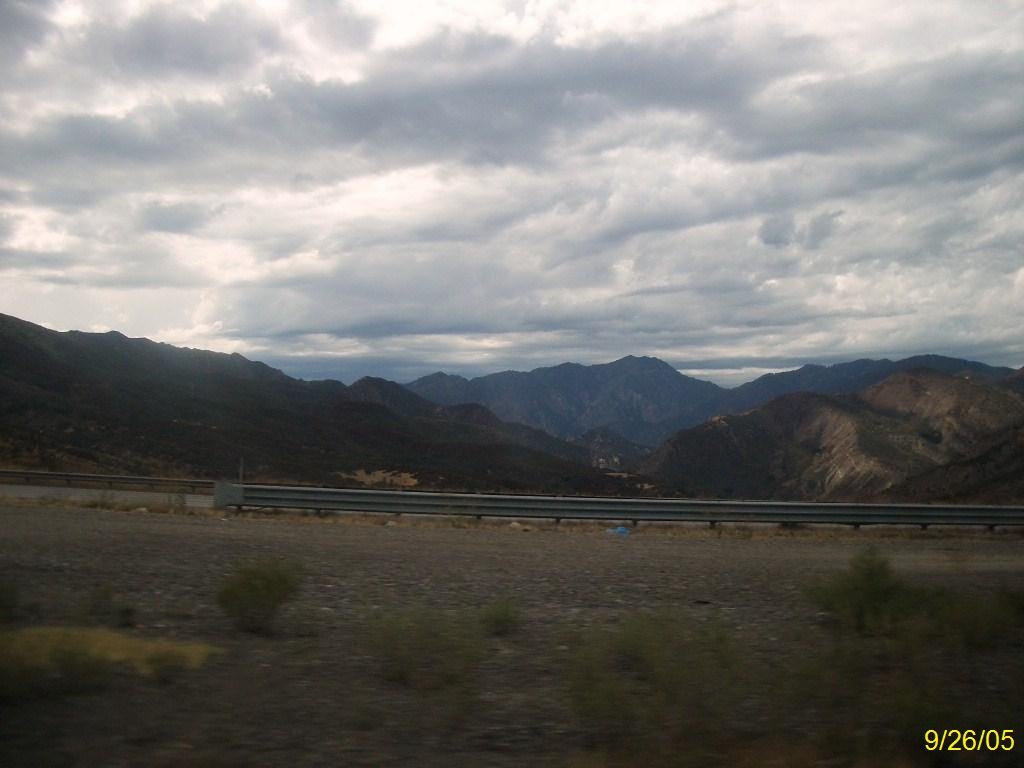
column 832, row 447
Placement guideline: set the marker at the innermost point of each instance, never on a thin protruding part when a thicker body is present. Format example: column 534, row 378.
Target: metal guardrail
column 551, row 507
column 81, row 479
column 587, row 508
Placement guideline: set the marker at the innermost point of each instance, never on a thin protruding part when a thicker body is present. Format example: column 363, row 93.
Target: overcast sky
column 395, row 188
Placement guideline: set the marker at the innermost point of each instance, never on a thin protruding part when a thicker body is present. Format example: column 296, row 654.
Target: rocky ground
column 313, row 694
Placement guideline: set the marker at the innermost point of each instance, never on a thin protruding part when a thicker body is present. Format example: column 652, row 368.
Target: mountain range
column 928, row 428
column 899, row 439
column 102, row 402
column 646, row 400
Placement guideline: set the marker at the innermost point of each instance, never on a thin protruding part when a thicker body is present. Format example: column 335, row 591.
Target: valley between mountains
column 925, row 428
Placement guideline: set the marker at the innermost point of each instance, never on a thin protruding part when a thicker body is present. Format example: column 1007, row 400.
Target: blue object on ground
column 619, row 531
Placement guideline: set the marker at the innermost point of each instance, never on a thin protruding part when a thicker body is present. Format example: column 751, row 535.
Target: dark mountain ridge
column 107, row 403
column 645, row 400
column 640, row 398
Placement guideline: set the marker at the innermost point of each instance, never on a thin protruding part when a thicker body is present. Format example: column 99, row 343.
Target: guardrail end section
column 228, row 495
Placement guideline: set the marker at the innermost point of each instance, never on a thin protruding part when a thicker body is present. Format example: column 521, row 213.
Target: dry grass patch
column 41, row 660
column 382, row 478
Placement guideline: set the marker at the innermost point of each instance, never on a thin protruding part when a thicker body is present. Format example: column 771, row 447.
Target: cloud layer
column 478, row 186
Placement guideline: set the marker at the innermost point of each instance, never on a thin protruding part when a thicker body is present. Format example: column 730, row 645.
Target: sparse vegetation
column 656, row 685
column 434, row 654
column 426, row 650
column 596, row 673
column 892, row 663
column 65, row 660
column 254, row 593
column 868, row 597
column 502, row 617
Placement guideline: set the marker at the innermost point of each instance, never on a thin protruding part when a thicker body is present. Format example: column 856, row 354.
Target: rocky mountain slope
column 460, row 420
column 641, row 398
column 646, row 400
column 900, row 438
column 107, row 403
column 608, row 449
column 847, row 378
column 1015, row 381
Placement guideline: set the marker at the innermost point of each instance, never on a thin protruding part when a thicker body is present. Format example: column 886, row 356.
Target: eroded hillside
column 877, row 443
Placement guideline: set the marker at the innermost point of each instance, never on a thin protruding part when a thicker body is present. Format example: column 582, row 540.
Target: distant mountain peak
column 441, row 375
column 644, row 399
column 641, row 361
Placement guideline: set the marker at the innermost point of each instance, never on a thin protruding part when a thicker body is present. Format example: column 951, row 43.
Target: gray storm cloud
column 408, row 190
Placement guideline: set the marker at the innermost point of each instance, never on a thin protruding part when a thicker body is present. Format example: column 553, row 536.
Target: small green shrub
column 890, row 691
column 892, row 664
column 502, row 618
column 426, row 650
column 868, row 597
column 653, row 685
column 254, row 593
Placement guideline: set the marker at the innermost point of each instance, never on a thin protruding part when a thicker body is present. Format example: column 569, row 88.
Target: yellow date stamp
column 969, row 740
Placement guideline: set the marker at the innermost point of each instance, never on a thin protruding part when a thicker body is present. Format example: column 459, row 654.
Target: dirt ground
column 312, row 693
